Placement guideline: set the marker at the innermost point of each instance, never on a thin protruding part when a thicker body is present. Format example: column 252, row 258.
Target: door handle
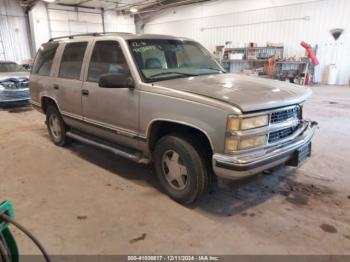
column 56, row 87
column 85, row 92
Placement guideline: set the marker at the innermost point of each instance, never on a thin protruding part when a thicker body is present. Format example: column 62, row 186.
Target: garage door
column 2, row 52
column 14, row 44
column 76, row 21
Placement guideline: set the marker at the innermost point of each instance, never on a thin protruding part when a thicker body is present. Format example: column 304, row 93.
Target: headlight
column 2, row 87
column 238, row 123
column 234, row 123
column 234, row 143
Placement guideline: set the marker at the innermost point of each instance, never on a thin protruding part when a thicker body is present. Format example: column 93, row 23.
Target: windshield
column 160, row 59
column 11, row 67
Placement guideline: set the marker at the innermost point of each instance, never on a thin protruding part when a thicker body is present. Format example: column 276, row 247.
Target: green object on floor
column 7, row 237
column 6, row 207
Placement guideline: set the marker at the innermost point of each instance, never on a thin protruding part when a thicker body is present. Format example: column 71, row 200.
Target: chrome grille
column 8, row 96
column 14, row 83
column 280, row 116
column 281, row 134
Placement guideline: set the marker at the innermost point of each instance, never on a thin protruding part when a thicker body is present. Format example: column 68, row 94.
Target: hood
column 7, row 75
column 247, row 93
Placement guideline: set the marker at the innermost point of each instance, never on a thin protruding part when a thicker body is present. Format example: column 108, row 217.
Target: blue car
column 14, row 81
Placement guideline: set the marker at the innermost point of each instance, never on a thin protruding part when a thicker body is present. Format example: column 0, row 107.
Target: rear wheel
column 180, row 168
column 56, row 126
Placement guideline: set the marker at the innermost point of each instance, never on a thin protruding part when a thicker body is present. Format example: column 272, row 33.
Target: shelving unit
column 256, row 58
column 252, row 57
column 291, row 69
column 254, row 53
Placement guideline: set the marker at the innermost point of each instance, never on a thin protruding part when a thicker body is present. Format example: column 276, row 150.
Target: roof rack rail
column 87, row 34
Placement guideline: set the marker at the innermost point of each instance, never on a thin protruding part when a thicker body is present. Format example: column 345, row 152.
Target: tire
column 56, row 126
column 181, row 169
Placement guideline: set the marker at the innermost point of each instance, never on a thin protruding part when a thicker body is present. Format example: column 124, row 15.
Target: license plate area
column 300, row 155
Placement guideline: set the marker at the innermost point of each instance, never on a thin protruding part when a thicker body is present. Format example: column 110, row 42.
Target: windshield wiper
column 169, row 73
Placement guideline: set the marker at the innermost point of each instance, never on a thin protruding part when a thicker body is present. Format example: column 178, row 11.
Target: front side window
column 160, row 59
column 43, row 61
column 107, row 58
column 72, row 60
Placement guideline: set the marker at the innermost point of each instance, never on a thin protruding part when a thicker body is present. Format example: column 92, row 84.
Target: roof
column 126, row 36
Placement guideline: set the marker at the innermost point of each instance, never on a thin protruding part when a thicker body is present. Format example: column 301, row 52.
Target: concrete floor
column 80, row 200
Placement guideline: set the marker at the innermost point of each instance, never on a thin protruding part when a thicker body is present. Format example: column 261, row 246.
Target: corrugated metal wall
column 39, row 24
column 277, row 21
column 14, row 44
column 54, row 20
column 69, row 20
column 118, row 23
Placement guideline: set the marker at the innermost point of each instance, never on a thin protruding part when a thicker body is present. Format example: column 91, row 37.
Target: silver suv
column 166, row 100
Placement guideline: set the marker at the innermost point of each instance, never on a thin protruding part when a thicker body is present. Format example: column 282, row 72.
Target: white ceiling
column 121, row 5
column 109, row 4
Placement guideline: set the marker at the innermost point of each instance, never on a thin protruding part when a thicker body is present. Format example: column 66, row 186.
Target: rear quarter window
column 44, row 58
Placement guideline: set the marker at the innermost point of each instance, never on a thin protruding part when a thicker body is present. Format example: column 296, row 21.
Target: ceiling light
column 133, row 10
column 49, row 1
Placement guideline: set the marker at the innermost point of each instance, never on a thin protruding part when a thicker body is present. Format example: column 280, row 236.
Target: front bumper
column 242, row 165
column 15, row 95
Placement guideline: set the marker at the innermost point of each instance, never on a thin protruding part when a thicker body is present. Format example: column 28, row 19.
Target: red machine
column 310, row 52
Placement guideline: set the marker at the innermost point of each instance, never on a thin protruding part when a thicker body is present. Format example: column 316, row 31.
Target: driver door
column 109, row 113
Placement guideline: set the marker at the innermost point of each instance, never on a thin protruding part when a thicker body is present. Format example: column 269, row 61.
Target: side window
column 72, row 60
column 43, row 61
column 107, row 58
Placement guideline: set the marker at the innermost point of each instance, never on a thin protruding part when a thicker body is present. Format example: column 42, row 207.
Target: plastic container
column 236, row 56
column 332, row 74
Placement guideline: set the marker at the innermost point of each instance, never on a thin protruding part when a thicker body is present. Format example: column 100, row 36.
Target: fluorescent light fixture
column 49, row 1
column 133, row 10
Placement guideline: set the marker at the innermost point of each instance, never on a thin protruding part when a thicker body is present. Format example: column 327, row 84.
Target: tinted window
column 72, row 60
column 107, row 58
column 43, row 61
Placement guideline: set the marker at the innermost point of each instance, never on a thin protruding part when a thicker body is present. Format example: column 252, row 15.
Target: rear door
column 111, row 113
column 68, row 82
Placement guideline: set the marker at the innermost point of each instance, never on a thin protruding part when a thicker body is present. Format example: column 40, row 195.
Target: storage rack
column 253, row 57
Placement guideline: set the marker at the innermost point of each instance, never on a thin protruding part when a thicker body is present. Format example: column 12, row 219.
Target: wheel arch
column 161, row 127
column 46, row 101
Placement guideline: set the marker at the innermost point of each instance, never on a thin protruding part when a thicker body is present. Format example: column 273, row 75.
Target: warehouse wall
column 64, row 20
column 118, row 23
column 54, row 20
column 14, row 44
column 287, row 21
column 39, row 24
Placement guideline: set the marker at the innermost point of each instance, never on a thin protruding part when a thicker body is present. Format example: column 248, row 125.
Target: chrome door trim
column 110, row 128
column 70, row 115
column 118, row 130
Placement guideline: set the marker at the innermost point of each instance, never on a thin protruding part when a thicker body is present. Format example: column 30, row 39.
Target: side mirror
column 121, row 80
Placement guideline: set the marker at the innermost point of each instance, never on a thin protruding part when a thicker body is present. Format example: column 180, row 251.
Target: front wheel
column 180, row 168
